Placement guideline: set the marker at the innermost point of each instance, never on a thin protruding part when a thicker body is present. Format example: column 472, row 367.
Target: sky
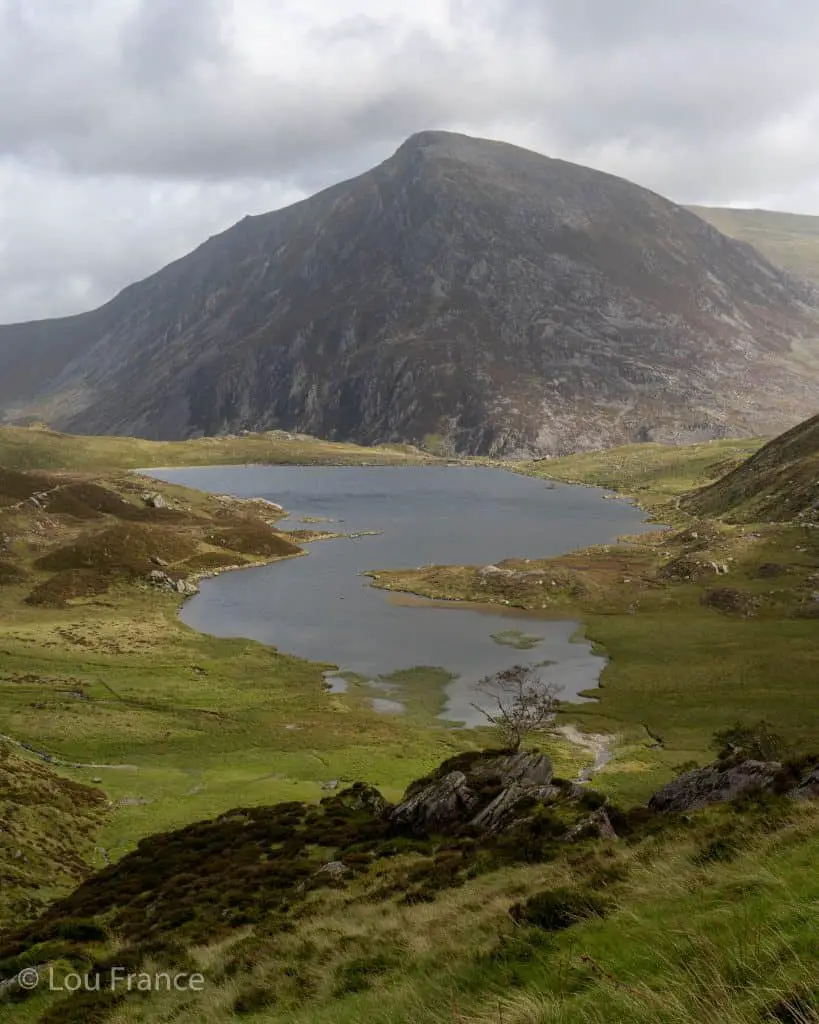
column 132, row 130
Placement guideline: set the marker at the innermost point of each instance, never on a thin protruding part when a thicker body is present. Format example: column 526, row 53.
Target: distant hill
column 465, row 294
column 776, row 484
column 789, row 240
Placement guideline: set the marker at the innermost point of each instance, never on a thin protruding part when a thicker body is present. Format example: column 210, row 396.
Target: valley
column 702, row 623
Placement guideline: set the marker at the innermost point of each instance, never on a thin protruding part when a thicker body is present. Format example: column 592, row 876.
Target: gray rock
column 439, row 806
column 335, row 869
column 525, row 768
column 597, row 824
column 808, row 788
column 458, row 798
column 362, row 797
column 713, row 784
column 154, row 500
column 510, row 806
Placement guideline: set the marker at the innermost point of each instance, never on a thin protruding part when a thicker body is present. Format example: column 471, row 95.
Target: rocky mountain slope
column 779, row 483
column 788, row 240
column 463, row 291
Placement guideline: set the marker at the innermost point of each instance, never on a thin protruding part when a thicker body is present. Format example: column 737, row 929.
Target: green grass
column 176, row 725
column 654, row 475
column 706, row 918
column 517, row 639
column 40, row 448
column 789, row 240
column 49, row 826
column 779, row 483
column 709, row 918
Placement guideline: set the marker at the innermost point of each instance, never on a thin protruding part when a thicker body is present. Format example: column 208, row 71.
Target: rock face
column 714, row 784
column 465, row 291
column 488, row 794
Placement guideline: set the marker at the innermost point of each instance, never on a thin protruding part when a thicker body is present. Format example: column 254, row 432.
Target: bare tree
column 524, row 703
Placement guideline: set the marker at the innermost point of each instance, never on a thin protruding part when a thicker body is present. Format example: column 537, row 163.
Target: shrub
column 252, row 537
column 62, row 587
column 11, row 574
column 757, row 742
column 253, row 999
column 720, row 849
column 556, row 909
column 357, row 975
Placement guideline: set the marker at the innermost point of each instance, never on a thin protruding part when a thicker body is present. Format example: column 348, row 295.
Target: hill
column 788, row 240
column 779, row 483
column 578, row 910
column 37, row 447
column 465, row 294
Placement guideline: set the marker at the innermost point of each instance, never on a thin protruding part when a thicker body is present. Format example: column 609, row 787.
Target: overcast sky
column 130, row 130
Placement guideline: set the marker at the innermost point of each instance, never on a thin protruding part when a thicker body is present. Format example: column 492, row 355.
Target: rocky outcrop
column 716, row 783
column 163, row 581
column 465, row 294
column 488, row 794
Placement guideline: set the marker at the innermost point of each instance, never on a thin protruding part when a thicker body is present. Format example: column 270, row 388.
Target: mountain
column 464, row 292
column 779, row 483
column 788, row 240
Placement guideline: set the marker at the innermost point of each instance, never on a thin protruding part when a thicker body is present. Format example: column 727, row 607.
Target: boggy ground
column 703, row 624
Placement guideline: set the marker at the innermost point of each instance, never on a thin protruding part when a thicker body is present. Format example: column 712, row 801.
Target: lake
column 321, row 608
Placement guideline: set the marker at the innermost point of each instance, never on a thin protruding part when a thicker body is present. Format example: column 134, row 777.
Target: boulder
column 334, row 869
column 439, row 807
column 186, row 587
column 154, row 500
column 808, row 788
column 528, row 769
column 510, row 806
column 716, row 783
column 484, row 793
column 597, row 825
column 361, row 797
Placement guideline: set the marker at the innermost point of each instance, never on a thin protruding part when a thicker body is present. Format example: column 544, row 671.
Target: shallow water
column 321, row 608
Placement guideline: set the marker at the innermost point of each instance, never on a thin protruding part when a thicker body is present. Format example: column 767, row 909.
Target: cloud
column 132, row 129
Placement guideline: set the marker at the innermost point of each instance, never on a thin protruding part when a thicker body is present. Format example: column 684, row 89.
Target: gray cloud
column 129, row 130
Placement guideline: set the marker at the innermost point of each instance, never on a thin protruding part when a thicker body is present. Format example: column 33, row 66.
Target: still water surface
column 321, row 608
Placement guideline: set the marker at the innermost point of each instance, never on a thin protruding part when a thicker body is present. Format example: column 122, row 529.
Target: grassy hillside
column 702, row 917
column 789, row 240
column 36, row 447
column 48, row 829
column 654, row 475
column 779, row 483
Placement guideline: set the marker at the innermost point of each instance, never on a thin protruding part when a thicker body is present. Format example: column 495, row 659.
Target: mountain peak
column 466, row 291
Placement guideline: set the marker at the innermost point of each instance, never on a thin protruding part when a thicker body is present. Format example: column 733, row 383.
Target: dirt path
column 598, row 744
